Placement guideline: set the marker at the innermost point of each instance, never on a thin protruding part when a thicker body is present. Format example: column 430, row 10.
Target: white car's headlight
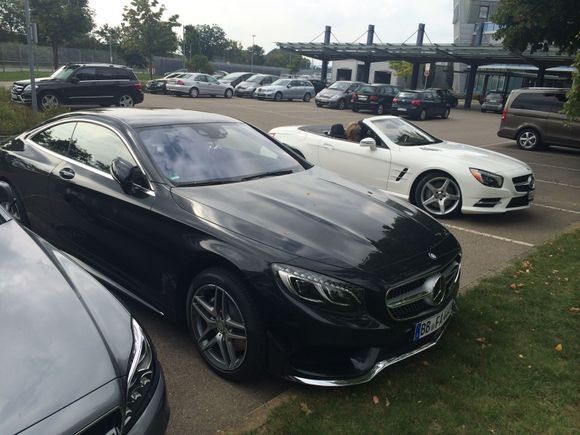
column 487, row 178
column 320, row 289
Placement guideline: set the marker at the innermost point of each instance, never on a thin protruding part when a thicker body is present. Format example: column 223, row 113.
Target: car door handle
column 327, row 147
column 67, row 173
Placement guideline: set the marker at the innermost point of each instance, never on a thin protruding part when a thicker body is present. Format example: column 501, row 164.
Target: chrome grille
column 418, row 296
column 524, row 183
column 17, row 89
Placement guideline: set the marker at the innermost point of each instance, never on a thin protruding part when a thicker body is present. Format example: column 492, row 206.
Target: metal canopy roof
column 482, row 55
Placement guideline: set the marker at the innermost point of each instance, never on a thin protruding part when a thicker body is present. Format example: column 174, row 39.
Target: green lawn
column 509, row 363
column 12, row 76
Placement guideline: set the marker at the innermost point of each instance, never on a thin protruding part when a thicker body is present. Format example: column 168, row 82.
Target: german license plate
column 362, row 98
column 531, row 195
column 401, row 109
column 432, row 324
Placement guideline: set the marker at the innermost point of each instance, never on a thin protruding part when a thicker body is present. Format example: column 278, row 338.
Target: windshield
column 405, row 94
column 215, row 153
column 367, row 90
column 402, row 133
column 64, row 72
column 281, row 82
column 255, row 78
column 232, row 76
column 340, row 86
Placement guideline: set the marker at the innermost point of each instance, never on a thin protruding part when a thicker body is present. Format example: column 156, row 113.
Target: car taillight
column 395, row 100
column 504, row 114
column 416, row 102
column 137, row 86
column 354, row 97
column 180, row 82
column 374, row 98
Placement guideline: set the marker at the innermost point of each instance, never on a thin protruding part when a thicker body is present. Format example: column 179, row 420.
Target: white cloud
column 301, row 20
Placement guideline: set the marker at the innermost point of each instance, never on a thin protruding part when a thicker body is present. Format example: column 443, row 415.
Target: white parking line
column 565, row 210
column 559, row 184
column 492, row 236
column 553, row 166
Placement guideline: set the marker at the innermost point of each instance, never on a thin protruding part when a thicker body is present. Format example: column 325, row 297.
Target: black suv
column 83, row 84
column 376, row 98
column 420, row 104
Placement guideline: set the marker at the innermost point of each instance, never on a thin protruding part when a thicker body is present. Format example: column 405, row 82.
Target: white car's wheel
column 438, row 194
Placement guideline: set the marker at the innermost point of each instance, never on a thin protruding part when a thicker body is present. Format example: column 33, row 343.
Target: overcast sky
column 302, row 20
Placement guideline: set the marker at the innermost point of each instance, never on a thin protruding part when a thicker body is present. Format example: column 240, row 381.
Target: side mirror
column 130, row 177
column 6, row 194
column 74, row 80
column 369, row 142
column 288, row 85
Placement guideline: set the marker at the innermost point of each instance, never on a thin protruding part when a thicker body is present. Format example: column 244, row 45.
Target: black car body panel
column 411, row 103
column 376, row 98
column 154, row 243
column 66, row 341
column 88, row 84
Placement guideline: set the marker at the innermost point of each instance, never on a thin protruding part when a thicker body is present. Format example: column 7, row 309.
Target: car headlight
column 486, row 178
column 28, row 88
column 141, row 372
column 320, row 290
column 335, row 97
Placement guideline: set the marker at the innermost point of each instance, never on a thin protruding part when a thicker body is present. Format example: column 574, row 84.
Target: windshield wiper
column 268, row 174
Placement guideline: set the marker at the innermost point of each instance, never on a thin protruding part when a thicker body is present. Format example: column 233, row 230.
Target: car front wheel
column 438, row 194
column 226, row 325
column 228, row 94
column 49, row 101
column 529, row 139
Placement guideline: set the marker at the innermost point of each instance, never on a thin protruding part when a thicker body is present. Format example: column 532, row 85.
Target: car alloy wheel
column 380, row 109
column 423, row 115
column 439, row 195
column 49, row 101
column 228, row 93
column 278, row 96
column 446, row 113
column 341, row 105
column 528, row 139
column 16, row 209
column 126, row 101
column 306, row 97
column 193, row 92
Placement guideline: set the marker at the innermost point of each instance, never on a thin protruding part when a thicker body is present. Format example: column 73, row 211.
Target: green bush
column 16, row 118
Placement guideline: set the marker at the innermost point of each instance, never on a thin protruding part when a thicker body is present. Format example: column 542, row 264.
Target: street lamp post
column 253, row 36
column 30, row 57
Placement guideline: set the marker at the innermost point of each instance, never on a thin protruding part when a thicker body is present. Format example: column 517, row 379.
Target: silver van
column 534, row 118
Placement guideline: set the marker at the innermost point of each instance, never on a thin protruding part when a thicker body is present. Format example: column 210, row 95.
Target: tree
column 294, row 65
column 200, row 63
column 61, row 21
column 144, row 34
column 234, row 52
column 538, row 24
column 211, row 40
column 259, row 57
column 12, row 25
column 402, row 69
column 281, row 59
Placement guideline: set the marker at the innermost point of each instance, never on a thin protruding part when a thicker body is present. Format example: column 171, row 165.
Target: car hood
column 318, row 215
column 36, row 81
column 249, row 85
column 52, row 351
column 478, row 158
column 330, row 92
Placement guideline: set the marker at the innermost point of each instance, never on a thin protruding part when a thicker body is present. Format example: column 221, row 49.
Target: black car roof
column 108, row 65
column 151, row 117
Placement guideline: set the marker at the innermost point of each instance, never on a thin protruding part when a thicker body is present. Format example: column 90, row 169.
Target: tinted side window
column 56, row 138
column 97, row 146
column 119, row 74
column 87, row 73
column 103, row 74
column 201, row 78
column 545, row 102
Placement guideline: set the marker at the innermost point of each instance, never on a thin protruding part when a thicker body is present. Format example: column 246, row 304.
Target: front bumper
column 155, row 417
column 264, row 96
column 496, row 107
column 21, row 98
column 326, row 103
column 244, row 92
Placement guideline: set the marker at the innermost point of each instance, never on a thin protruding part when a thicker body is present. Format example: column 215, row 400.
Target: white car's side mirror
column 369, row 142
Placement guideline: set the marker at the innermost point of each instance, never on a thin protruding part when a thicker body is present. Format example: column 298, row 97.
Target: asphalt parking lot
column 203, row 403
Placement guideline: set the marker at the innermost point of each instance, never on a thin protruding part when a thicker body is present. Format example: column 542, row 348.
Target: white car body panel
column 397, row 168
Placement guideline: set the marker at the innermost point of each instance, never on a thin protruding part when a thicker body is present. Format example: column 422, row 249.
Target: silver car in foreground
column 195, row 84
column 286, row 89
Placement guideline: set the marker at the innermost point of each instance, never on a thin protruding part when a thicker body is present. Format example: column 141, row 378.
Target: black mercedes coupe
column 272, row 263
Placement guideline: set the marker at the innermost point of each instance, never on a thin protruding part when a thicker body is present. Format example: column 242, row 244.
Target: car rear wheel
column 16, row 208
column 307, row 97
column 278, row 96
column 341, row 105
column 529, row 139
column 125, row 100
column 380, row 109
column 446, row 113
column 228, row 93
column 49, row 101
column 423, row 115
column 226, row 325
column 193, row 92
column 438, row 194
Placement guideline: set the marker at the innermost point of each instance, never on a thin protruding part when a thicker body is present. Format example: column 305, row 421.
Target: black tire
column 436, row 179
column 307, row 97
column 48, row 100
column 380, row 109
column 16, row 208
column 422, row 115
column 446, row 113
column 194, row 92
column 278, row 96
column 341, row 105
column 228, row 93
column 355, row 109
column 483, row 111
column 125, row 100
column 529, row 139
column 318, row 105
column 232, row 289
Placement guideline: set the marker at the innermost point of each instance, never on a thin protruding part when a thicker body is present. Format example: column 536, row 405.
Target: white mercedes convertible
column 443, row 178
